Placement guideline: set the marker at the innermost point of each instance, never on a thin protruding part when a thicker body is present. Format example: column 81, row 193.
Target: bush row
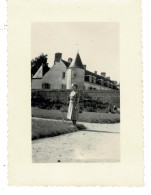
column 86, row 103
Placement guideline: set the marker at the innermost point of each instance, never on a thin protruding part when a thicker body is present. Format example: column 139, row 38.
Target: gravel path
column 99, row 143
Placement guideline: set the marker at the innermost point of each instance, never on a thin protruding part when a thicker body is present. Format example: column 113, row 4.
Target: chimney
column 103, row 74
column 58, row 57
column 95, row 72
column 70, row 60
column 84, row 66
column 108, row 78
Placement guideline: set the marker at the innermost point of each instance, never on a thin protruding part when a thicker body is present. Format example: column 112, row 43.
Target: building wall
column 88, row 85
column 93, row 85
column 36, row 83
column 75, row 75
column 54, row 76
column 69, row 78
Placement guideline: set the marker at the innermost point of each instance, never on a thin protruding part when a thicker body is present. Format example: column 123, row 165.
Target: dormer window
column 102, row 82
column 90, row 78
column 94, row 79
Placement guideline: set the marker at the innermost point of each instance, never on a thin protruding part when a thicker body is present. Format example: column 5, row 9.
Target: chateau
column 63, row 73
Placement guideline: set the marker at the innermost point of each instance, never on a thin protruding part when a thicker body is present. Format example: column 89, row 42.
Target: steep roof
column 41, row 71
column 66, row 63
column 77, row 63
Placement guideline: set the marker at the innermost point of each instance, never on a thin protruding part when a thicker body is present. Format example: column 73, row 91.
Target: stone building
column 63, row 73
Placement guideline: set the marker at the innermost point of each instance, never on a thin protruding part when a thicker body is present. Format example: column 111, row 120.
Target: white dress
column 73, row 113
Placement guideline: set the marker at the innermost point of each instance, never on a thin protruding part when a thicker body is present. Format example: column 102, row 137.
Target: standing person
column 73, row 109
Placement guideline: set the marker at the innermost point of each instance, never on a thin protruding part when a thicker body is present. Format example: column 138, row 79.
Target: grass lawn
column 91, row 117
column 43, row 128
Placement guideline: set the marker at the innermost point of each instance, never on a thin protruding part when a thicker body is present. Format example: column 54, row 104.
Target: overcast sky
column 97, row 42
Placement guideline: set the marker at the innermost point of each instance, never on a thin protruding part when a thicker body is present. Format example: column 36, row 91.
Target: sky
column 97, row 43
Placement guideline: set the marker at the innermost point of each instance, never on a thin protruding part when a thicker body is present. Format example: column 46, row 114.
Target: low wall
column 110, row 96
column 113, row 97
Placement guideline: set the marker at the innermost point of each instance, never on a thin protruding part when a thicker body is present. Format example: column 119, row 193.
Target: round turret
column 75, row 73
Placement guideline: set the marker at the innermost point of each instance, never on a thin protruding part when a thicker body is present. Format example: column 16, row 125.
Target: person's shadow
column 99, row 131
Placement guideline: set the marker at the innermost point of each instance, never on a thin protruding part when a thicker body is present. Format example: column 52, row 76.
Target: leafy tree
column 37, row 62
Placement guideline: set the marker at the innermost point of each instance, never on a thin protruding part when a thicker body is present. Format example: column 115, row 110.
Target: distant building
column 63, row 73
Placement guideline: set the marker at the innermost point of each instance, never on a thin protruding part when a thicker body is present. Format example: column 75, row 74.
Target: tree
column 37, row 62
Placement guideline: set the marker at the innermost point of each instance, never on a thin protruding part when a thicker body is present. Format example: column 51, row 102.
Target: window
column 63, row 75
column 90, row 78
column 93, row 79
column 46, row 86
column 63, row 86
column 75, row 75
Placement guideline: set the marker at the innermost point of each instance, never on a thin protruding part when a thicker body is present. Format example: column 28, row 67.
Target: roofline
column 96, row 75
column 36, row 78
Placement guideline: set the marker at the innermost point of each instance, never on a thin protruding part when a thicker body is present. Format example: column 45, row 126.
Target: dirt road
column 99, row 143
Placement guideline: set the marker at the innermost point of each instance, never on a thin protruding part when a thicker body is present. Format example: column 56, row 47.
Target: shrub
column 86, row 103
column 80, row 126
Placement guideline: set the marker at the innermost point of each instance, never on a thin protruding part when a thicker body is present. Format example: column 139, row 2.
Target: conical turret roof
column 77, row 63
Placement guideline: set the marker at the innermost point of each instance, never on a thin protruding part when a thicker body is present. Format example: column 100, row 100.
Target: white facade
column 56, row 76
column 93, row 86
column 36, row 83
column 75, row 75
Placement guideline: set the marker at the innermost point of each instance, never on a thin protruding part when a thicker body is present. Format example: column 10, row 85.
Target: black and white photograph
column 75, row 98
column 75, row 92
